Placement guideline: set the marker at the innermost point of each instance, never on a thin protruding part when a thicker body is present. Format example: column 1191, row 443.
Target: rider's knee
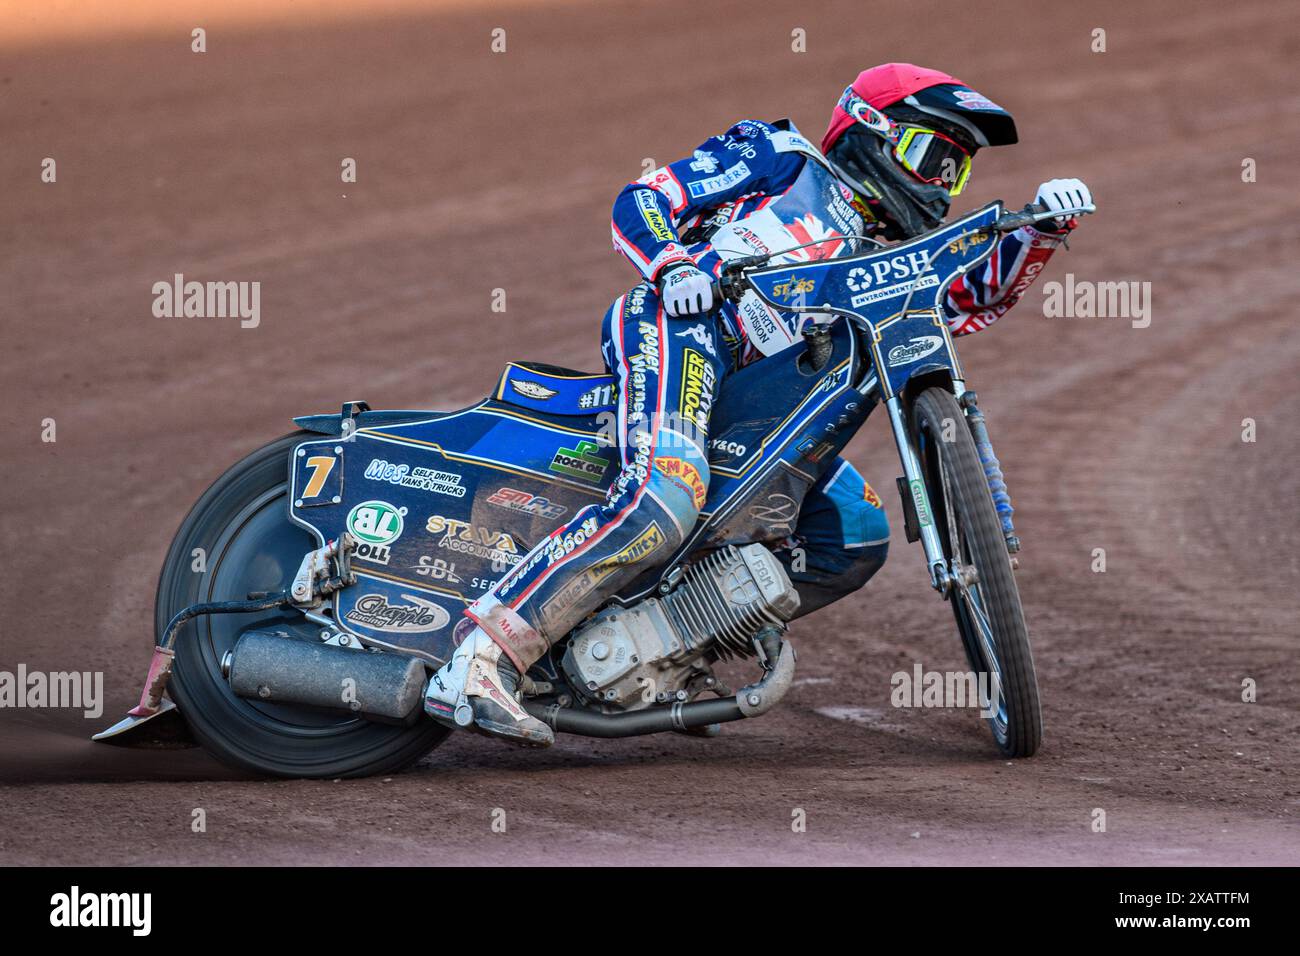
column 874, row 524
column 677, row 485
column 864, row 552
column 863, row 563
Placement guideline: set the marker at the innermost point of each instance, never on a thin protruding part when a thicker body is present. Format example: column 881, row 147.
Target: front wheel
column 984, row 597
column 237, row 539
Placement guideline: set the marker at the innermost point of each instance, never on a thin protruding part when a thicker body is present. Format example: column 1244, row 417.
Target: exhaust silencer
column 274, row 667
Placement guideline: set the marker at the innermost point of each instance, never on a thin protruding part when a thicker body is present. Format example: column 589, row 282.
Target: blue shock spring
column 993, row 474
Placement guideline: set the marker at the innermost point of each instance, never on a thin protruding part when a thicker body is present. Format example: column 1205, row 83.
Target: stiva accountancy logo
column 77, row 909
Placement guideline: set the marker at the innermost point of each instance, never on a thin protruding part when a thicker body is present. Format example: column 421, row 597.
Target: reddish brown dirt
column 479, row 171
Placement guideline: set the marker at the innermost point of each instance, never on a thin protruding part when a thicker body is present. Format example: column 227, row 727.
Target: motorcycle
column 315, row 585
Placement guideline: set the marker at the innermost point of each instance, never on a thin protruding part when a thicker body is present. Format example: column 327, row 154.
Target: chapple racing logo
column 915, row 350
column 376, row 523
column 76, row 909
column 420, row 616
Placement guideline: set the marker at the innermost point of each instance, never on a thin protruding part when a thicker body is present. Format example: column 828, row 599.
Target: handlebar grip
column 730, row 286
column 1035, row 212
column 1014, row 220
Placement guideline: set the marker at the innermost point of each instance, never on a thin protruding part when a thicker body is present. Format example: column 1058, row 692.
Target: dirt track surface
column 481, row 171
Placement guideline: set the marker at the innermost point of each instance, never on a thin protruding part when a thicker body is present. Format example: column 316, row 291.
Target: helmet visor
column 932, row 157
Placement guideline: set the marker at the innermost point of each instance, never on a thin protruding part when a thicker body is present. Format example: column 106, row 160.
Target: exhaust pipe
column 758, row 698
column 271, row 666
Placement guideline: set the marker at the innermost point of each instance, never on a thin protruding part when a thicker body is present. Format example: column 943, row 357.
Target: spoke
column 985, row 629
column 986, row 642
column 954, row 533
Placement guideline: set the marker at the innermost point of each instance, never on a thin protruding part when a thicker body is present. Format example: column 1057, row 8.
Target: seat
column 556, row 391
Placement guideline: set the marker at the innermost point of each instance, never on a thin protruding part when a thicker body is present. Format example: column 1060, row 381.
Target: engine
column 629, row 658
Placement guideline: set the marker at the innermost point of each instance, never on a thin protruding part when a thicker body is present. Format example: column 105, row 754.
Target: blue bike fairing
column 478, row 489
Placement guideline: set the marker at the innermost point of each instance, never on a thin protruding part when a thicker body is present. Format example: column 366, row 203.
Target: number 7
column 320, row 466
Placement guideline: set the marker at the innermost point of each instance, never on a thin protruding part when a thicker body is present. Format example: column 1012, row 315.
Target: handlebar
column 727, row 287
column 1033, row 213
column 730, row 285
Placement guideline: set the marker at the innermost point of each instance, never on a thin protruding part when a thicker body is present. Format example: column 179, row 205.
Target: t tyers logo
column 375, row 522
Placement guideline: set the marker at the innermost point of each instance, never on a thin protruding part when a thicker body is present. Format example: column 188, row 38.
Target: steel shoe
column 478, row 689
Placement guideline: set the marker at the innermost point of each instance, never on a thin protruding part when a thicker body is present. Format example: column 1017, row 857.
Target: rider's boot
column 479, row 689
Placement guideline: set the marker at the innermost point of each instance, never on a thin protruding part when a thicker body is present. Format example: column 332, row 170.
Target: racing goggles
column 930, row 156
column 927, row 154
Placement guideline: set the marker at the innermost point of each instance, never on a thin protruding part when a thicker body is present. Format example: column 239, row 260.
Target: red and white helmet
column 904, row 136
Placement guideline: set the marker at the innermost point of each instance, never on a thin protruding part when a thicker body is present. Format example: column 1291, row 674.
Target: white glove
column 685, row 290
column 1063, row 194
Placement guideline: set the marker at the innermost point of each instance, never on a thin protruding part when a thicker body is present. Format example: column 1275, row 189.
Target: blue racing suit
column 759, row 187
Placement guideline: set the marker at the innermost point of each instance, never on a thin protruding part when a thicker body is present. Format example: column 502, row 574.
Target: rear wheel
column 984, row 597
column 239, row 538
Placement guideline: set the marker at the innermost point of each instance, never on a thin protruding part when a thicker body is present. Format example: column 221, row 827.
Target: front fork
column 941, row 574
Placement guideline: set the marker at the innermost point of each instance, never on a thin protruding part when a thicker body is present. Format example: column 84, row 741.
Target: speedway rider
column 898, row 148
